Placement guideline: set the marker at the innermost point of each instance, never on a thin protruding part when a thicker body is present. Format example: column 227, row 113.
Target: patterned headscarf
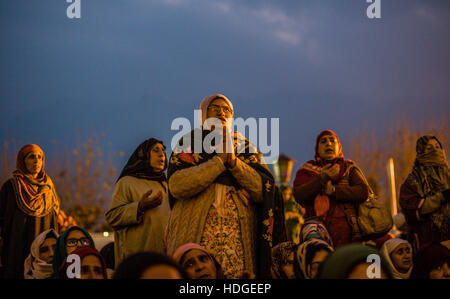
column 34, row 196
column 306, row 252
column 315, row 229
column 280, row 258
column 429, row 176
column 388, row 247
column 35, row 268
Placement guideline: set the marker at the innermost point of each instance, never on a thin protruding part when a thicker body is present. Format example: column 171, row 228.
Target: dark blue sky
column 127, row 68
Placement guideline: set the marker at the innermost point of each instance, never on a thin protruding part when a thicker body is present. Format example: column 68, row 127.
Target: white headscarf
column 220, row 189
column 208, row 100
column 35, row 268
column 388, row 247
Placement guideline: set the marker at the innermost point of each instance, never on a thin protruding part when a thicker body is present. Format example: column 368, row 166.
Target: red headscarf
column 34, row 196
column 312, row 168
column 82, row 252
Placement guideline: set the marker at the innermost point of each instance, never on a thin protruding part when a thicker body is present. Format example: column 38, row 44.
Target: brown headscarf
column 34, row 196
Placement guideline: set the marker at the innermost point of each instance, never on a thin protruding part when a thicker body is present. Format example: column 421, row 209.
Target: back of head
column 135, row 265
column 340, row 263
column 429, row 257
column 108, row 254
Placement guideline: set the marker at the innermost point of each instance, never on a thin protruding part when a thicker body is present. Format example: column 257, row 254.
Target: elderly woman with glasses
column 223, row 196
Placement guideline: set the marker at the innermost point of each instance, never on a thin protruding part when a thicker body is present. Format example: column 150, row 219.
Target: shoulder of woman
column 8, row 184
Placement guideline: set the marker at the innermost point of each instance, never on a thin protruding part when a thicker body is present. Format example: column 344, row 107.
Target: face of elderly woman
column 157, row 157
column 402, row 258
column 328, row 147
column 199, row 265
column 219, row 109
column 33, row 162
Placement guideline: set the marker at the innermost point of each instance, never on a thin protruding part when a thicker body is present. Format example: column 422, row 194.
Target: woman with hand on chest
column 140, row 206
column 330, row 188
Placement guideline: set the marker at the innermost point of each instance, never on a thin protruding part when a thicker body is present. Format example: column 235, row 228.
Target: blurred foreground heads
column 149, row 265
column 351, row 262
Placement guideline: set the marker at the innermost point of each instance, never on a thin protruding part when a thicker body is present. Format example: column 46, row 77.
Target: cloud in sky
column 138, row 64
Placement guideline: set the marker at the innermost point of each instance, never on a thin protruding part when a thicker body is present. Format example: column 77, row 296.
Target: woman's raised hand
column 149, row 202
column 330, row 171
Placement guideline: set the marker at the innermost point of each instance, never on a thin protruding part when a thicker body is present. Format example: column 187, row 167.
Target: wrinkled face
column 47, row 250
column 91, row 268
column 220, row 109
column 76, row 239
column 161, row 272
column 318, row 258
column 157, row 157
column 33, row 162
column 328, row 147
column 432, row 145
column 288, row 268
column 402, row 258
column 360, row 272
column 441, row 272
column 199, row 265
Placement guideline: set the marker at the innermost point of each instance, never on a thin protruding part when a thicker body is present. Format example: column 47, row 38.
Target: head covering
column 306, row 252
column 108, row 254
column 34, row 196
column 430, row 175
column 183, row 249
column 207, row 101
column 280, row 258
column 60, row 249
column 83, row 252
column 315, row 229
column 138, row 164
column 429, row 257
column 270, row 225
column 340, row 263
column 386, row 250
column 35, row 268
column 313, row 168
column 134, row 265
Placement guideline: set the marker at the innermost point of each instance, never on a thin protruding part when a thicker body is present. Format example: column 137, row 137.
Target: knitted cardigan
column 194, row 189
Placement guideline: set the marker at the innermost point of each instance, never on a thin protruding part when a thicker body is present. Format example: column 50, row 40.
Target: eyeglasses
column 217, row 109
column 74, row 242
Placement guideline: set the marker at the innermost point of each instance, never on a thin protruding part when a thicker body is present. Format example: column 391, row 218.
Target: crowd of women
column 220, row 215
